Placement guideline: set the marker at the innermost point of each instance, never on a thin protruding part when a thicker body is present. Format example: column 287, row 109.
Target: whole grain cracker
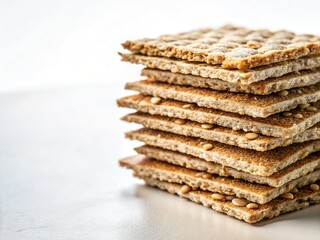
column 304, row 198
column 241, row 103
column 292, row 80
column 149, row 168
column 276, row 125
column 219, row 134
column 293, row 171
column 233, row 47
column 257, row 163
column 216, row 72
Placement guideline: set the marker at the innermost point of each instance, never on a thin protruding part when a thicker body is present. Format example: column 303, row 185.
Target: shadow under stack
column 230, row 119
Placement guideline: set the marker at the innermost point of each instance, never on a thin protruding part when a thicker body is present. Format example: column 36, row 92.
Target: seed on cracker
column 298, row 115
column 218, row 196
column 252, row 206
column 283, row 93
column 251, row 136
column 304, row 105
column 155, row 100
column 314, row 187
column 287, row 195
column 240, row 202
column 311, row 109
column 206, row 126
column 287, row 114
column 185, row 189
column 187, row 106
column 180, row 121
column 207, row 146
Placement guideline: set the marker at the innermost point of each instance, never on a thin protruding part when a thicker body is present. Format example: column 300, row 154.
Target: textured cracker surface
column 146, row 167
column 295, row 170
column 276, row 125
column 241, row 103
column 292, row 80
column 257, row 163
column 219, row 134
column 234, row 76
column 233, row 47
column 304, row 198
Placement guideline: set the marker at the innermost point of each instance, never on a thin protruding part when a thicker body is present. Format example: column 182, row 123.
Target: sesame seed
column 304, row 105
column 304, row 154
column 155, row 100
column 199, row 174
column 294, row 190
column 187, row 106
column 311, row 109
column 206, row 126
column 314, row 187
column 287, row 114
column 298, row 115
column 252, row 206
column 180, row 121
column 283, row 93
column 217, row 196
column 207, row 146
column 207, row 176
column 240, row 202
column 236, row 128
column 185, row 189
column 255, row 129
column 286, row 143
column 287, row 195
column 251, row 136
column 229, row 198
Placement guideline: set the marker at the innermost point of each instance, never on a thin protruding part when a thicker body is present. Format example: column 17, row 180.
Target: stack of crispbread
column 230, row 118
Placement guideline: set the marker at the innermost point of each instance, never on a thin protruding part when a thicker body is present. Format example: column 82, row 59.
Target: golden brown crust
column 241, row 103
column 219, row 134
column 302, row 199
column 291, row 80
column 257, row 163
column 233, row 47
column 258, row 193
column 276, row 125
column 216, row 72
column 295, row 170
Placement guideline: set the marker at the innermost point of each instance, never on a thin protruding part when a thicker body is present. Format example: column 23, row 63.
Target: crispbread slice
column 233, row 47
column 219, row 134
column 302, row 199
column 276, row 125
column 294, row 171
column 257, row 163
column 234, row 76
column 241, row 103
column 149, row 168
column 291, row 80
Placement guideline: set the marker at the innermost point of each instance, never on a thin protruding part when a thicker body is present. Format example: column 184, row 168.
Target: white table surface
column 59, row 178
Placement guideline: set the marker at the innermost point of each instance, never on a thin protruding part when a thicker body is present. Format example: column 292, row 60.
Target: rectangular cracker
column 276, row 125
column 293, row 171
column 233, row 76
column 291, row 80
column 241, row 103
column 257, row 163
column 150, row 168
column 230, row 46
column 219, row 134
column 302, row 199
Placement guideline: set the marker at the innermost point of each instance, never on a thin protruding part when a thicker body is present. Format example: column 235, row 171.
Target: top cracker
column 230, row 46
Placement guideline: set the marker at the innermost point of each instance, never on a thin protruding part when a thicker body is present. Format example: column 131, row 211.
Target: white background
column 60, row 133
column 69, row 42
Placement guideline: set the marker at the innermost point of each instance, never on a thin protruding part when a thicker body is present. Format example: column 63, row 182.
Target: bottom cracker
column 302, row 199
